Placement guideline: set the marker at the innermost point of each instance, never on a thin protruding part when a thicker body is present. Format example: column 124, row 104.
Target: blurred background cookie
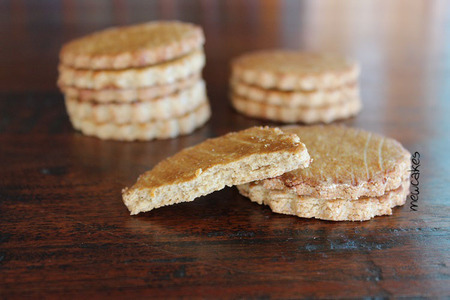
column 132, row 46
column 138, row 82
column 291, row 86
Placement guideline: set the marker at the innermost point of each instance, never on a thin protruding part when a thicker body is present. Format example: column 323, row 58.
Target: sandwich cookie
column 291, row 86
column 137, row 82
column 355, row 175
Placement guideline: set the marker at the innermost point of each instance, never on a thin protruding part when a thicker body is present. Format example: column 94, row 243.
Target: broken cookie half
column 235, row 158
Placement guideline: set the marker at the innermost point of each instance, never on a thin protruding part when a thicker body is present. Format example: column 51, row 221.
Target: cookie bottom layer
column 289, row 203
column 145, row 131
column 160, row 74
column 168, row 107
column 285, row 114
column 112, row 95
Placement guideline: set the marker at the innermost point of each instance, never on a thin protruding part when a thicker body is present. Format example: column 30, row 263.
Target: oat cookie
column 130, row 95
column 171, row 106
column 293, row 70
column 132, row 46
column 163, row 129
column 160, row 74
column 235, row 158
column 304, row 114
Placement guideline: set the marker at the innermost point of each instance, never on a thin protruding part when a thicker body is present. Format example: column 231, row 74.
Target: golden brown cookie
column 287, row 202
column 235, row 158
column 132, row 46
column 293, row 70
column 348, row 163
column 130, row 95
column 171, row 106
column 160, row 74
column 161, row 129
column 303, row 114
column 293, row 99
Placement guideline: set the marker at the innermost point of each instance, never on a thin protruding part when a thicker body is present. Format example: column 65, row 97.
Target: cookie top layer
column 235, row 158
column 188, row 163
column 293, row 70
column 347, row 163
column 132, row 46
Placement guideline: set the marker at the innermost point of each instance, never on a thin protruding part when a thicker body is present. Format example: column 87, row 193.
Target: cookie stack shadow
column 139, row 82
column 290, row 86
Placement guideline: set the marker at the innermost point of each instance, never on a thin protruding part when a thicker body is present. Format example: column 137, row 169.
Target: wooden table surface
column 64, row 231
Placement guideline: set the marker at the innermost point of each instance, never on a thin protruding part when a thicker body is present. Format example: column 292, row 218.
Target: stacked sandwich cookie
column 355, row 175
column 139, row 82
column 290, row 86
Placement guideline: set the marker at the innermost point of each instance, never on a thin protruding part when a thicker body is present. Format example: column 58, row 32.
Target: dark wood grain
column 64, row 231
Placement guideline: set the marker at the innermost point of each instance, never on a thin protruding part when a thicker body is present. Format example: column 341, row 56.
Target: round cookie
column 132, row 46
column 145, row 131
column 292, row 70
column 130, row 95
column 296, row 98
column 289, row 203
column 171, row 106
column 348, row 163
column 164, row 73
column 304, row 114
